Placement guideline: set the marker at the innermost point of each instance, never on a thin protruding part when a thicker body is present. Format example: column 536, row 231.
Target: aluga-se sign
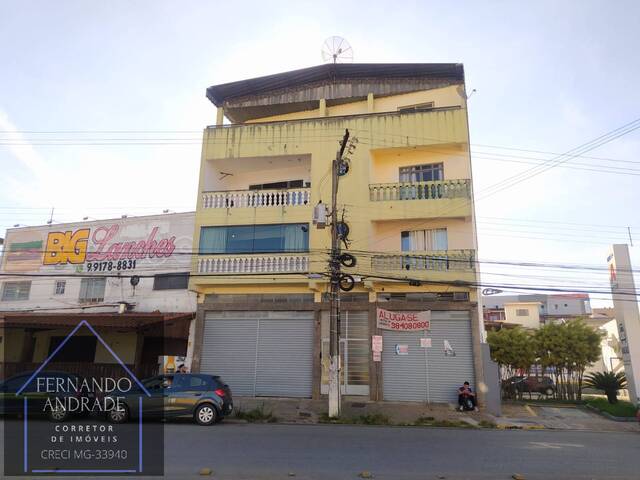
column 403, row 321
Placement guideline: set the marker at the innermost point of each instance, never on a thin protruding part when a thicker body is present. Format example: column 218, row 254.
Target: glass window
column 424, row 240
column 92, row 290
column 522, row 312
column 60, row 287
column 12, row 291
column 174, row 281
column 293, row 237
column 430, row 172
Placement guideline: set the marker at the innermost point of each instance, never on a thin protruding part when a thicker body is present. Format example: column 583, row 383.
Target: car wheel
column 206, row 414
column 120, row 415
column 59, row 414
column 548, row 392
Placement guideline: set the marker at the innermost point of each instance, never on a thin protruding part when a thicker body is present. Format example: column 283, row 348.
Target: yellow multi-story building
column 260, row 272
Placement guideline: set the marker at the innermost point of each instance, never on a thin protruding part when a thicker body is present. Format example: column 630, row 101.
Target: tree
column 565, row 351
column 608, row 382
column 513, row 350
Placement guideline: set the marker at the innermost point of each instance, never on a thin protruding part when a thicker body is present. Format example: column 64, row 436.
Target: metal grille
column 427, row 374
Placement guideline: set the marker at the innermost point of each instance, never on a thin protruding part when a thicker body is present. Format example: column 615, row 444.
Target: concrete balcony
column 447, row 265
column 254, row 263
column 380, row 192
column 444, row 198
column 256, row 198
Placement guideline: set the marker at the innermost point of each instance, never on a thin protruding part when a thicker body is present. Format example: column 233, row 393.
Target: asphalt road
column 269, row 451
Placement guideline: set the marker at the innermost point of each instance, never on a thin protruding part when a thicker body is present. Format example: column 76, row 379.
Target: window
column 173, row 281
column 522, row 312
column 92, row 290
column 424, row 240
column 60, row 287
column 81, row 348
column 422, row 173
column 13, row 291
column 421, row 107
column 278, row 185
column 289, row 237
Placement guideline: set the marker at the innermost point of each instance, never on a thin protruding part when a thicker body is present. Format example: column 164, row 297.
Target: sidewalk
column 514, row 416
column 295, row 410
column 559, row 417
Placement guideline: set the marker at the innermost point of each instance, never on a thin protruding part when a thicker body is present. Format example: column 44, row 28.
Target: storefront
column 427, row 365
column 260, row 353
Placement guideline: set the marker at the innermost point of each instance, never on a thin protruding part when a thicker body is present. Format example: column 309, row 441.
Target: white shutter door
column 229, row 349
column 285, row 355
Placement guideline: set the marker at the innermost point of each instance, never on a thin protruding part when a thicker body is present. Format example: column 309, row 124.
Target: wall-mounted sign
column 425, row 342
column 376, row 343
column 102, row 246
column 402, row 349
column 403, row 321
column 377, row 356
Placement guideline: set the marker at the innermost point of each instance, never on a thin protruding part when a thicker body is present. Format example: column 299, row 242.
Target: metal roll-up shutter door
column 447, row 373
column 427, row 374
column 404, row 376
column 260, row 353
column 285, row 355
column 229, row 349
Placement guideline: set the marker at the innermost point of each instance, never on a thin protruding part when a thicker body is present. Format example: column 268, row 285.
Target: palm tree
column 608, row 382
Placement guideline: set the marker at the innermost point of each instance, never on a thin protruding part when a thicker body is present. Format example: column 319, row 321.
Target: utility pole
column 334, row 299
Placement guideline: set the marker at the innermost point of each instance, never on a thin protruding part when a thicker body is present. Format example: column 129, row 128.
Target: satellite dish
column 337, row 50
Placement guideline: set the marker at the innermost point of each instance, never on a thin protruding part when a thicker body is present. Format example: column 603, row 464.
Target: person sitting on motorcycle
column 465, row 393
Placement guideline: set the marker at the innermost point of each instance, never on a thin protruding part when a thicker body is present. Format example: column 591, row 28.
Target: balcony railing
column 420, row 190
column 444, row 260
column 257, row 198
column 263, row 263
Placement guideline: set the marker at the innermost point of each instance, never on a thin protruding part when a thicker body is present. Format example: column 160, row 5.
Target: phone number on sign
column 110, row 266
column 409, row 325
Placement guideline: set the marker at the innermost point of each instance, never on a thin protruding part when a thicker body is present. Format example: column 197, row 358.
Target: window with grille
column 174, row 281
column 429, row 172
column 60, row 287
column 92, row 290
column 13, row 291
column 424, row 240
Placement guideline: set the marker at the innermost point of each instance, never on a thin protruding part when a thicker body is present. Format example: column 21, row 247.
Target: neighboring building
column 603, row 319
column 551, row 307
column 263, row 320
column 54, row 276
column 525, row 314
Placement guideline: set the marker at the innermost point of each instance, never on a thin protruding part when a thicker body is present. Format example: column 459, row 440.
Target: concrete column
column 219, row 116
column 323, row 107
column 478, row 365
column 370, row 103
column 197, row 341
column 317, row 361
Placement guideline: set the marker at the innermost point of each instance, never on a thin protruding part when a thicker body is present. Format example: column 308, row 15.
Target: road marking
column 553, row 445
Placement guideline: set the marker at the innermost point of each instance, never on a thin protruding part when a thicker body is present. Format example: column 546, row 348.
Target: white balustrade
column 379, row 192
column 443, row 260
column 257, row 198
column 243, row 264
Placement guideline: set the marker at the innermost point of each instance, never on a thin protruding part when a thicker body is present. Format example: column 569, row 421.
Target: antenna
column 337, row 50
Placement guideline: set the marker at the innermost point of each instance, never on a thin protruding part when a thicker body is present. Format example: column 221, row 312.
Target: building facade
column 262, row 316
column 551, row 308
column 126, row 277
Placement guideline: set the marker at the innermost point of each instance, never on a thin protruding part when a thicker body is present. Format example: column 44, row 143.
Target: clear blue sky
column 549, row 76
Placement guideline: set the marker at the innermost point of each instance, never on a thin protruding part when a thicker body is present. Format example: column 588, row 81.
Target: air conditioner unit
column 460, row 296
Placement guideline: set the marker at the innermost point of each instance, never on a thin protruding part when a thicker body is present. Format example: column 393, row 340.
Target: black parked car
column 12, row 403
column 522, row 384
column 205, row 398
